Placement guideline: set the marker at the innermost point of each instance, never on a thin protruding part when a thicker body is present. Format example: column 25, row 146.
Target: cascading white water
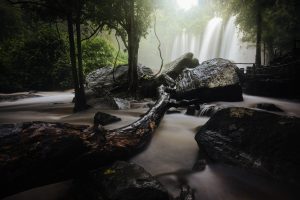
column 183, row 43
column 233, row 48
column 228, row 35
column 211, row 38
column 220, row 39
column 215, row 43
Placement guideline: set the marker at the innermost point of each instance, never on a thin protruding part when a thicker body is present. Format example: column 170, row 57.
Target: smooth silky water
column 170, row 156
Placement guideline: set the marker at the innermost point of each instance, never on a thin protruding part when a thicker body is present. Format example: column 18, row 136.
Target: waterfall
column 220, row 38
column 233, row 48
column 227, row 39
column 215, row 43
column 183, row 43
column 211, row 38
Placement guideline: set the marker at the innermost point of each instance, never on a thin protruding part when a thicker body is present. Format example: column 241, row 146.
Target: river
column 170, row 156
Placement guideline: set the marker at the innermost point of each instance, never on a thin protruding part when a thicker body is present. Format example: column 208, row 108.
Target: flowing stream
column 170, row 156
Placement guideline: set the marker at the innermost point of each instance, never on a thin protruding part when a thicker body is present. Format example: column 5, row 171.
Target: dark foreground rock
column 191, row 110
column 105, row 119
column 253, row 139
column 186, row 193
column 121, row 181
column 33, row 154
column 216, row 79
column 268, row 106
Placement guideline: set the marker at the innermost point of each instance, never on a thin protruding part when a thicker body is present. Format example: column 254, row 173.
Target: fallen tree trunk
column 38, row 153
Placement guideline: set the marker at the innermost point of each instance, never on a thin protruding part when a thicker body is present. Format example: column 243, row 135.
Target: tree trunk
column 130, row 61
column 133, row 44
column 82, row 98
column 133, row 62
column 73, row 62
column 270, row 51
column 258, row 34
column 38, row 153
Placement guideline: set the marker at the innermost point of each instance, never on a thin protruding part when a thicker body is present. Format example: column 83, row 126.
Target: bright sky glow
column 186, row 4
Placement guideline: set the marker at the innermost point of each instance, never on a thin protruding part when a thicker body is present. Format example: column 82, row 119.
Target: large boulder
column 216, row 79
column 121, row 181
column 174, row 68
column 101, row 81
column 253, row 139
column 169, row 73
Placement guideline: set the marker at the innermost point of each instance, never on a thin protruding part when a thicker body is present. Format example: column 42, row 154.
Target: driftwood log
column 38, row 153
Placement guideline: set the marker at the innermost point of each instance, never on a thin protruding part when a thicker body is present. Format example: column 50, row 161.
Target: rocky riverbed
column 170, row 156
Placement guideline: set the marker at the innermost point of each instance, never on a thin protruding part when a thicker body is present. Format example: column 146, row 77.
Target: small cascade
column 209, row 109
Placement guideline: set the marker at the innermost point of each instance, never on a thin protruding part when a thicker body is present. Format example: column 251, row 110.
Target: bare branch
column 94, row 33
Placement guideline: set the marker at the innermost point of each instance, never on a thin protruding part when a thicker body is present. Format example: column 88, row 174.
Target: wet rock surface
column 105, row 119
column 191, row 110
column 203, row 109
column 169, row 73
column 253, row 139
column 212, row 80
column 33, row 154
column 174, row 68
column 186, row 193
column 268, row 106
column 215, row 79
column 121, row 181
column 120, row 104
column 209, row 109
column 102, row 81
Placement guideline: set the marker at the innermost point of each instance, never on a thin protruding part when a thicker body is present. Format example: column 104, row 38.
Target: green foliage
column 280, row 21
column 115, row 15
column 99, row 53
column 36, row 62
column 10, row 21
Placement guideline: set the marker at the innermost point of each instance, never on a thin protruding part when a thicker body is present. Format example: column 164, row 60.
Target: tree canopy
column 280, row 22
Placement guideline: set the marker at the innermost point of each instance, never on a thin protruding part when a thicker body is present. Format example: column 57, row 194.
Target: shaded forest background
column 34, row 52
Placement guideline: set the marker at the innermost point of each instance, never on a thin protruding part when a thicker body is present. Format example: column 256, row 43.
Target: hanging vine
column 158, row 47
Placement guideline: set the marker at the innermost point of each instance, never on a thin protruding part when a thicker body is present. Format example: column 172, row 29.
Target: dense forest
column 36, row 50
